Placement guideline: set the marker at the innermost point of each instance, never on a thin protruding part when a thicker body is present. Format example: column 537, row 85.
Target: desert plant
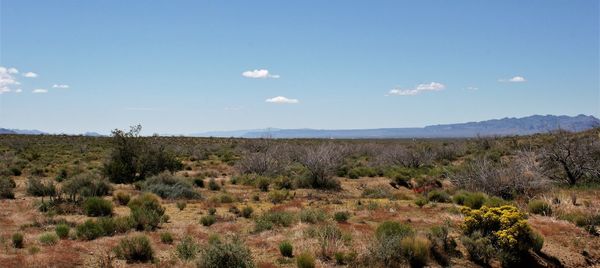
column 386, row 247
column 62, row 230
column 341, row 216
column 270, row 219
column 208, row 220
column 7, row 186
column 213, row 185
column 135, row 249
column 199, row 182
column 421, row 201
column 146, row 211
column 17, row 240
column 121, row 198
column 168, row 186
column 48, row 239
column 212, row 211
column 312, row 215
column 230, row 253
column 415, row 250
column 89, row 230
column 36, row 187
column 85, row 185
column 187, row 249
column 438, row 196
column 278, row 196
column 321, row 162
column 263, row 184
column 247, row 212
column 540, row 207
column 480, row 248
column 97, row 207
column 286, row 249
column 181, row 205
column 166, row 237
column 305, row 260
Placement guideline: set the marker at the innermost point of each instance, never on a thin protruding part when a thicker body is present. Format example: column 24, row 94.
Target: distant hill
column 7, row 131
column 21, row 131
column 496, row 127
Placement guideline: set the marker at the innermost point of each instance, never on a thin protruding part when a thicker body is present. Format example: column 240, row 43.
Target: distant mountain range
column 496, row 127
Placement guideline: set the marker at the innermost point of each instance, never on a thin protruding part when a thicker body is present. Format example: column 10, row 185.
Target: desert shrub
column 212, row 211
column 97, row 207
column 86, row 185
column 469, row 199
column 507, row 229
column 108, row 226
column 121, row 198
column 213, row 185
column 168, row 186
column 376, row 192
column 61, row 175
column 135, row 249
column 321, row 162
column 230, row 253
column 286, row 249
column 89, row 230
column 421, row 201
column 540, row 207
column 17, row 240
column 263, row 184
column 495, row 201
column 415, row 250
column 247, row 212
column 199, row 182
column 133, row 159
column 341, row 216
column 386, row 248
column 284, row 182
column 270, row 219
column 278, row 196
column 123, row 224
column 7, row 186
column 187, row 249
column 208, row 220
column 312, row 215
column 570, row 158
column 181, row 205
column 305, row 260
column 362, row 171
column 36, row 187
column 226, row 198
column 62, row 230
column 166, row 238
column 442, row 245
column 438, row 196
column 48, row 239
column 480, row 248
column 266, row 160
column 146, row 211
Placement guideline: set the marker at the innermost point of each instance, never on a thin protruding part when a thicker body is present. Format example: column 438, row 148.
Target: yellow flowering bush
column 506, row 228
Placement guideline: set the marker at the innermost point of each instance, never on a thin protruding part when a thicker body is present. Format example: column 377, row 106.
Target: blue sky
column 178, row 66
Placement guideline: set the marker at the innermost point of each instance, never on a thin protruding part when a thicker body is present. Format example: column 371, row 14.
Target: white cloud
column 282, row 100
column 30, row 75
column 471, row 88
column 262, row 73
column 18, row 90
column 40, row 90
column 7, row 79
column 514, row 79
column 60, row 86
column 433, row 86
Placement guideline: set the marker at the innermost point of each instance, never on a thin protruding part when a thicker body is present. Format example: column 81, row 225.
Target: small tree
column 321, row 162
column 569, row 158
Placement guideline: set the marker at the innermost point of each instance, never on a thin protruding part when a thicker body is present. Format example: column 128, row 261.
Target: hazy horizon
column 191, row 67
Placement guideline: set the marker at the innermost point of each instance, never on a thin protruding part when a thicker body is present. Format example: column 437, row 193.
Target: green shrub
column 438, row 196
column 212, row 211
column 286, row 249
column 390, row 229
column 480, row 248
column 263, row 184
column 341, row 216
column 121, row 198
column 146, row 211
column 340, row 258
column 89, row 230
column 86, row 185
column 415, row 250
column 168, row 186
column 213, row 185
column 199, row 182
column 36, row 187
column 273, row 218
column 231, row 253
column 247, row 212
column 278, row 196
column 495, row 201
column 312, row 215
column 48, row 239
column 133, row 159
column 421, row 201
column 17, row 240
column 539, row 207
column 226, row 198
column 135, row 249
column 61, row 175
column 442, row 245
column 208, row 220
column 123, row 224
column 187, row 249
column 62, row 230
column 376, row 192
column 166, row 237
column 386, row 248
column 181, row 205
column 7, row 186
column 108, row 226
column 305, row 260
column 97, row 207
